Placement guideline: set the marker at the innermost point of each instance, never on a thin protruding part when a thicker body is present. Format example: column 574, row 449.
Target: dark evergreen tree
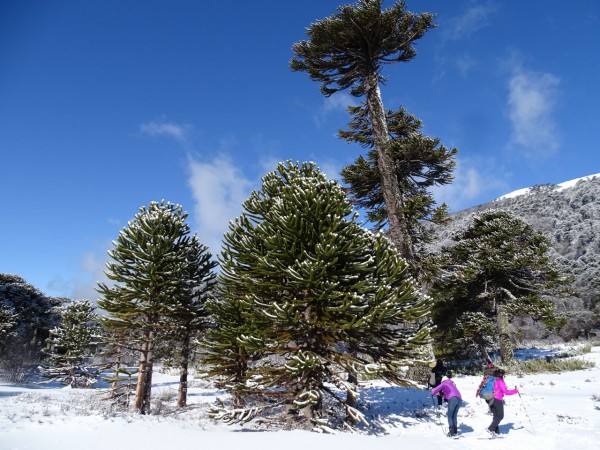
column 419, row 162
column 348, row 51
column 313, row 293
column 73, row 343
column 498, row 268
column 226, row 355
column 27, row 316
column 188, row 316
column 150, row 260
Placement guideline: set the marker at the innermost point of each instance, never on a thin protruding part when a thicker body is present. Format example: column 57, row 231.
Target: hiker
column 497, row 405
column 486, row 387
column 451, row 394
column 438, row 370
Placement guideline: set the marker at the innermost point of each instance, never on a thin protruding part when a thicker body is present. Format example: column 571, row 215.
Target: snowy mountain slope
column 558, row 187
column 569, row 214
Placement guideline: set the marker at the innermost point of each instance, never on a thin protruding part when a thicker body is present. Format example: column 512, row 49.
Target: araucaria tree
column 322, row 296
column 73, row 342
column 348, row 51
column 419, row 163
column 188, row 316
column 155, row 267
column 498, row 268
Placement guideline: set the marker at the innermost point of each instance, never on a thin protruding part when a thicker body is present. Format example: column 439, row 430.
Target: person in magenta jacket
column 451, row 394
column 497, row 406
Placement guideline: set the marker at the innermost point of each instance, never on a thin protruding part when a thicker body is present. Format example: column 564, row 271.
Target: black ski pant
column 497, row 408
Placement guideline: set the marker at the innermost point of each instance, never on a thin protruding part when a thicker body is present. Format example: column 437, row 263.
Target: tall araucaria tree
column 420, row 163
column 321, row 296
column 498, row 268
column 348, row 51
column 150, row 268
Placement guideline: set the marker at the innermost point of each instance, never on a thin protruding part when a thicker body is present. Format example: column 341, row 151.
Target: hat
column 432, row 364
column 499, row 372
column 449, row 374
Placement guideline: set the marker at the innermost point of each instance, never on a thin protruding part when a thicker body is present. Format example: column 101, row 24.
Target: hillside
column 569, row 214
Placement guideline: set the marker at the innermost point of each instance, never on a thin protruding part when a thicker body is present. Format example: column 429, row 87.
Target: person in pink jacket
column 497, row 406
column 451, row 394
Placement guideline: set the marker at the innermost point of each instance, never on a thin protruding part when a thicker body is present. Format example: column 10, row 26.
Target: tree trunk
column 144, row 384
column 506, row 348
column 183, row 376
column 389, row 182
column 116, row 366
column 485, row 354
column 350, row 397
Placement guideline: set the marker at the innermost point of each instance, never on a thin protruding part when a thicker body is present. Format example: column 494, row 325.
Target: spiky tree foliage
column 26, row 316
column 348, row 51
column 149, row 267
column 315, row 294
column 223, row 350
column 420, row 162
column 188, row 317
column 498, row 268
column 73, row 342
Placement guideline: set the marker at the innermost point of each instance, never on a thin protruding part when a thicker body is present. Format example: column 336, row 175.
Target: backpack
column 486, row 388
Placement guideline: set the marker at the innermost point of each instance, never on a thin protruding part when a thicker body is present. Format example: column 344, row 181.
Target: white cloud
column 82, row 282
column 219, row 188
column 337, row 102
column 166, row 129
column 531, row 101
column 472, row 180
column 472, row 20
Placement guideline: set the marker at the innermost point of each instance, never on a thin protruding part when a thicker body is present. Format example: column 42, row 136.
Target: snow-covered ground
column 555, row 411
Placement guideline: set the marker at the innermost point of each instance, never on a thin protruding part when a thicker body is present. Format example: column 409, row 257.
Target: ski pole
column 525, row 409
column 438, row 414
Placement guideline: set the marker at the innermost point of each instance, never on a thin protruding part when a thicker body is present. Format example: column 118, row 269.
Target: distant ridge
column 559, row 187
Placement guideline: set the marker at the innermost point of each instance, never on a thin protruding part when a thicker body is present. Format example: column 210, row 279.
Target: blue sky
column 108, row 105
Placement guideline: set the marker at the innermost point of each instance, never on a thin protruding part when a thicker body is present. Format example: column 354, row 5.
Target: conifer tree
column 420, row 162
column 348, row 51
column 188, row 317
column 149, row 263
column 313, row 293
column 226, row 355
column 498, row 268
column 73, row 342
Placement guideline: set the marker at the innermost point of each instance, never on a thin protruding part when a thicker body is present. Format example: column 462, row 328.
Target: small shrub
column 554, row 366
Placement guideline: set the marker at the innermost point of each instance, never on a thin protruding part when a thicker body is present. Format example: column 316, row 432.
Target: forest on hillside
column 571, row 219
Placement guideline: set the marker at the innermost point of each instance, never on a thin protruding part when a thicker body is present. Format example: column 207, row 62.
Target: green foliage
column 306, row 295
column 498, row 268
column 72, row 343
column 161, row 278
column 355, row 43
column 419, row 162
